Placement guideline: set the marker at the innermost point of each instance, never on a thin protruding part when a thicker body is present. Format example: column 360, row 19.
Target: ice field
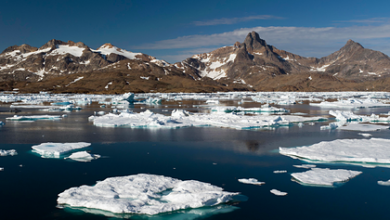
column 194, row 156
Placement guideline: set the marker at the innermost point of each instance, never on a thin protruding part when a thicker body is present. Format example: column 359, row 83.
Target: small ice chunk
column 54, row 150
column 324, row 177
column 34, row 117
column 1, row 168
column 11, row 152
column 384, row 183
column 83, row 156
column 277, row 192
column 367, row 135
column 305, row 166
column 280, row 171
column 252, row 181
column 145, row 194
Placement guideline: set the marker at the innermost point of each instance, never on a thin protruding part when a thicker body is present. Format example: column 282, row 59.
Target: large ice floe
column 11, row 152
column 34, row 117
column 83, row 156
column 324, row 177
column 352, row 103
column 145, row 194
column 384, row 183
column 278, row 192
column 181, row 118
column 350, row 116
column 55, row 150
column 266, row 108
column 374, row 152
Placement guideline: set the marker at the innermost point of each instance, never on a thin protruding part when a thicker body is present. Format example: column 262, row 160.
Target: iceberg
column 54, row 150
column 277, row 192
column 252, row 181
column 374, row 151
column 83, row 156
column 11, row 152
column 34, row 117
column 324, row 177
column 144, row 194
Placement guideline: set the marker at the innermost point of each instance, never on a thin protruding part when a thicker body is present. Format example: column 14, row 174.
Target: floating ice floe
column 54, row 150
column 83, row 156
column 181, row 118
column 264, row 108
column 362, row 127
column 366, row 135
column 1, row 169
column 350, row 116
column 352, row 103
column 374, row 151
column 145, row 194
column 384, row 183
column 11, row 152
column 277, row 192
column 280, row 171
column 324, row 177
column 34, row 117
column 252, row 181
column 305, row 166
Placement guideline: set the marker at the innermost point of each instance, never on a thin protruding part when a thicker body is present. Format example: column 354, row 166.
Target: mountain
column 252, row 65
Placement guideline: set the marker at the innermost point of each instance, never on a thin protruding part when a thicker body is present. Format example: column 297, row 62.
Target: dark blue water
column 214, row 155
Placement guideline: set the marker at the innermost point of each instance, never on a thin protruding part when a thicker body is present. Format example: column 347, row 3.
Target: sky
column 174, row 30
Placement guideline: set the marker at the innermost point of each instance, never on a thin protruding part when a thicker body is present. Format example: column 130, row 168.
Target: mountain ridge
column 252, row 65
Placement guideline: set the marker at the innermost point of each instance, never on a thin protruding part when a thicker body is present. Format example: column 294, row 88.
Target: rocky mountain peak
column 351, row 45
column 52, row 44
column 106, row 45
column 24, row 48
column 254, row 42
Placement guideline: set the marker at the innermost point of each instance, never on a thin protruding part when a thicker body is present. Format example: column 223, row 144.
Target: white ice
column 11, row 152
column 277, row 192
column 366, row 135
column 350, row 116
column 305, row 166
column 252, row 181
column 83, row 156
column 362, row 127
column 352, row 103
column 324, row 177
column 54, row 150
column 384, row 183
column 148, row 119
column 375, row 151
column 280, row 171
column 144, row 194
column 34, row 117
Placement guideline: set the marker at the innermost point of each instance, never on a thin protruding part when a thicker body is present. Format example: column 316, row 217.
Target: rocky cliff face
column 251, row 65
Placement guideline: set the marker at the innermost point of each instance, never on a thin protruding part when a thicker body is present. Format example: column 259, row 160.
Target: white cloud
column 369, row 20
column 234, row 20
column 276, row 35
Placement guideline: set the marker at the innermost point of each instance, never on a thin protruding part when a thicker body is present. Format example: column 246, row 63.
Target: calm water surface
column 215, row 155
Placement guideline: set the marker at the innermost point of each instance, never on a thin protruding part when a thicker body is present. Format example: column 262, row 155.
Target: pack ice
column 145, row 194
column 374, row 151
column 324, row 177
column 181, row 118
column 54, row 150
column 352, row 103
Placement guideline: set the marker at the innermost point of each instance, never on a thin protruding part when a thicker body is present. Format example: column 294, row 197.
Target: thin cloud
column 306, row 36
column 369, row 21
column 234, row 20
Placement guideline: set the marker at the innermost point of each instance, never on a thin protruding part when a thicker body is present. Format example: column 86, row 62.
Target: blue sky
column 174, row 30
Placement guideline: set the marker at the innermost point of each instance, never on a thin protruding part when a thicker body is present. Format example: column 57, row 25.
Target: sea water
column 29, row 184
